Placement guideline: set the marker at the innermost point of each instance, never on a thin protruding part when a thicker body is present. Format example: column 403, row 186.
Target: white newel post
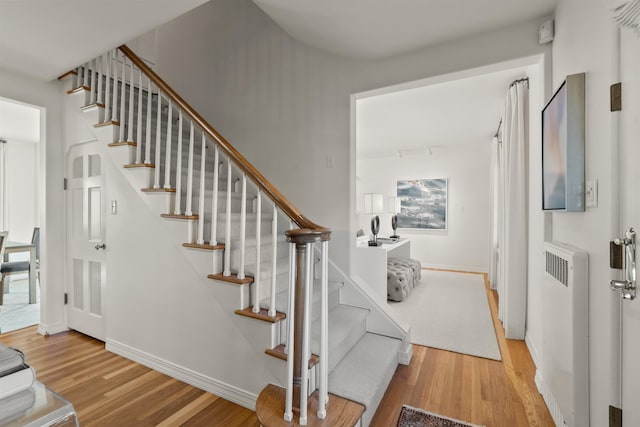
column 304, row 368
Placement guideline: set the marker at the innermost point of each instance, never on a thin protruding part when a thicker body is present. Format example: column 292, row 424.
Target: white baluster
column 114, row 109
column 323, row 399
column 123, row 97
column 304, row 381
column 156, row 175
column 214, row 199
column 178, row 210
column 288, row 406
column 147, row 145
column 101, row 58
column 189, row 204
column 227, row 226
column 243, row 225
column 203, row 151
column 85, row 79
column 107, row 89
column 92, row 96
column 139, row 126
column 256, row 279
column 131, row 105
column 274, row 260
column 167, row 150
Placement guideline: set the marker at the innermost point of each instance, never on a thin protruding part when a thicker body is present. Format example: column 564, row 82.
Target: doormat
column 414, row 417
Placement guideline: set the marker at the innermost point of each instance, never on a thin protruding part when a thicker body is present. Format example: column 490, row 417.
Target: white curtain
column 512, row 216
column 495, row 202
column 4, row 195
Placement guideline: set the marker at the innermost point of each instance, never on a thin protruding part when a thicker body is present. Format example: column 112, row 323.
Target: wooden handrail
column 240, row 161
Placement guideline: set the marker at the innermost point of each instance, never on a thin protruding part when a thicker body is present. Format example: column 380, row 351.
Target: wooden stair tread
column 68, row 74
column 204, row 245
column 91, row 106
column 278, row 352
column 340, row 412
column 123, row 144
column 231, row 279
column 140, row 165
column 78, row 89
column 158, row 190
column 180, row 216
column 262, row 315
column 107, row 123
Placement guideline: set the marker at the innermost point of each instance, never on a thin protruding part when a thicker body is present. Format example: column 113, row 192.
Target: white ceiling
column 46, row 38
column 440, row 116
column 379, row 28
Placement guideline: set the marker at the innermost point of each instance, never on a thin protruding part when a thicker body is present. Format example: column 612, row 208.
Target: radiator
column 564, row 373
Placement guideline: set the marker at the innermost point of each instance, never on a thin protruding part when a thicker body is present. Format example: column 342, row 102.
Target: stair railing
column 116, row 81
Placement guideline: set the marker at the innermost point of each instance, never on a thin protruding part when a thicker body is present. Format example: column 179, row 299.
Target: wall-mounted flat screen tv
column 563, row 147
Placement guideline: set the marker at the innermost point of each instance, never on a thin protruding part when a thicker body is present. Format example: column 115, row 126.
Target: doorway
column 20, row 203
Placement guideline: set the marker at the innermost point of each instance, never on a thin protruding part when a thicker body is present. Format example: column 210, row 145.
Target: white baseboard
column 405, row 354
column 203, row 382
column 533, row 350
column 55, row 328
column 465, row 268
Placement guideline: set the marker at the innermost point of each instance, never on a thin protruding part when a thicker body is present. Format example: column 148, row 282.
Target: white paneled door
column 630, row 204
column 86, row 240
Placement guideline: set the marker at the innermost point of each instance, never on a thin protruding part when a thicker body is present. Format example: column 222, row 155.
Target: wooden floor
column 108, row 390
column 472, row 389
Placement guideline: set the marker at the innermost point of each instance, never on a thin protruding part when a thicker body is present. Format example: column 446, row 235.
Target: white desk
column 16, row 247
column 371, row 263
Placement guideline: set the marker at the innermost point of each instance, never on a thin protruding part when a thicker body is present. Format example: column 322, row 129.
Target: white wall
column 583, row 44
column 464, row 245
column 22, row 189
column 286, row 106
column 46, row 96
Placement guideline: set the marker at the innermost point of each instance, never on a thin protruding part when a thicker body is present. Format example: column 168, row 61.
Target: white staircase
column 186, row 173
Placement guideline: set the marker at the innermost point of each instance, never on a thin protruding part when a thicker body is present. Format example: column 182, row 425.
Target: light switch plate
column 591, row 194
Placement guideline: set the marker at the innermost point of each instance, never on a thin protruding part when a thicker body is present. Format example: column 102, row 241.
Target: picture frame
column 423, row 203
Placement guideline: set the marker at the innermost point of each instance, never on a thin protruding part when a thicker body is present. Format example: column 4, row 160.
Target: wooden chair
column 15, row 267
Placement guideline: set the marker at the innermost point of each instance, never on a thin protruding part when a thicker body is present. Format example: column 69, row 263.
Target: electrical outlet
column 591, row 194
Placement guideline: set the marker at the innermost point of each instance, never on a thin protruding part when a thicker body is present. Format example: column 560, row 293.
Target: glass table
column 37, row 407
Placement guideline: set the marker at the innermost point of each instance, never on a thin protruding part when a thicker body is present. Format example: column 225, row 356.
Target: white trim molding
column 203, row 382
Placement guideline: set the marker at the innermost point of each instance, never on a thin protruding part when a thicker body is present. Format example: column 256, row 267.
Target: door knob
column 100, row 246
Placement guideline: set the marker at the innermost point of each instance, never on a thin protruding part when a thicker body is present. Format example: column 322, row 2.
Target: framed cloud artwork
column 423, row 203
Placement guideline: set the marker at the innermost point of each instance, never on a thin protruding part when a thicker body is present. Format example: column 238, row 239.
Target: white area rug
column 16, row 312
column 450, row 311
